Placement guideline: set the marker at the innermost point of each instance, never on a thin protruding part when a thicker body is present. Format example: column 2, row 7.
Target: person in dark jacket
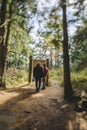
column 38, row 74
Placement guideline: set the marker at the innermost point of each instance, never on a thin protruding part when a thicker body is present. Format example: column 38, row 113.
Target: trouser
column 38, row 83
column 44, row 82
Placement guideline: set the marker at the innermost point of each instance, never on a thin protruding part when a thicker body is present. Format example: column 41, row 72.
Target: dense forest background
column 44, row 29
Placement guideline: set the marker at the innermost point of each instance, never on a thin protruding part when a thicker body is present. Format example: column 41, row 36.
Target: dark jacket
column 38, row 72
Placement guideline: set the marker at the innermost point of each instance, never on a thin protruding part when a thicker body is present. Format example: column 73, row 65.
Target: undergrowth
column 78, row 78
column 16, row 77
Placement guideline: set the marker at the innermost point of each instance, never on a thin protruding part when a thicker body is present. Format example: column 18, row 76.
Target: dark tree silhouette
column 2, row 40
column 67, row 80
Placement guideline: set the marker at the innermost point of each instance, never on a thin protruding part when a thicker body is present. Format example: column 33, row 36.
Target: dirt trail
column 23, row 109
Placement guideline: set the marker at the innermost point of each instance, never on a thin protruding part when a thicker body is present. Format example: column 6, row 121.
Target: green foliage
column 16, row 77
column 54, row 24
column 79, row 47
column 56, row 74
column 19, row 40
column 79, row 79
column 79, row 41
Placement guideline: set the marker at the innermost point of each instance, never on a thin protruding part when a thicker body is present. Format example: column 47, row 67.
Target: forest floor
column 23, row 109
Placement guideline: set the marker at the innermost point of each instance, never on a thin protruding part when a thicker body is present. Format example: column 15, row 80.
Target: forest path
column 23, row 109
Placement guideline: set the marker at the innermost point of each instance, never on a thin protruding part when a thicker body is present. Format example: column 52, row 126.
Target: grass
column 15, row 78
column 56, row 74
column 78, row 78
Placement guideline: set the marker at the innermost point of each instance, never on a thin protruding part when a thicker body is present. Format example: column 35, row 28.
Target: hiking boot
column 44, row 88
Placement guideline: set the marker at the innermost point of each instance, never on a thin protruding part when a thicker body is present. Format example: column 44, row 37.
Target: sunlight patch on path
column 37, row 95
column 5, row 96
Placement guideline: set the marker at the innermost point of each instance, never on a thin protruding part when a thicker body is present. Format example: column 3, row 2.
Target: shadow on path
column 26, row 110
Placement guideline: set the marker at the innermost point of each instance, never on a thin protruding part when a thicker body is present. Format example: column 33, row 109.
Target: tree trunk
column 7, row 34
column 30, row 69
column 56, row 57
column 67, row 80
column 51, row 59
column 2, row 40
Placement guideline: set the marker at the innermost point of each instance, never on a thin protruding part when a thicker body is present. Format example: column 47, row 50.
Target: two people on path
column 40, row 73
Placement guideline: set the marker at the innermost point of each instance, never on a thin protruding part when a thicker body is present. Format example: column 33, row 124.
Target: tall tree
column 5, row 27
column 67, row 80
column 2, row 40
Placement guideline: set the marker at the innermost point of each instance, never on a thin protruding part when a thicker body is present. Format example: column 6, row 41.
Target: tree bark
column 2, row 40
column 67, row 80
column 51, row 60
column 30, row 69
column 8, row 33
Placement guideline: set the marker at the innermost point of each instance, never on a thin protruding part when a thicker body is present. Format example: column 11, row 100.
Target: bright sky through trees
column 42, row 5
column 39, row 23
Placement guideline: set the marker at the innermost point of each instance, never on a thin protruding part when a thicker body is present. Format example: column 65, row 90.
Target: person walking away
column 45, row 73
column 37, row 74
